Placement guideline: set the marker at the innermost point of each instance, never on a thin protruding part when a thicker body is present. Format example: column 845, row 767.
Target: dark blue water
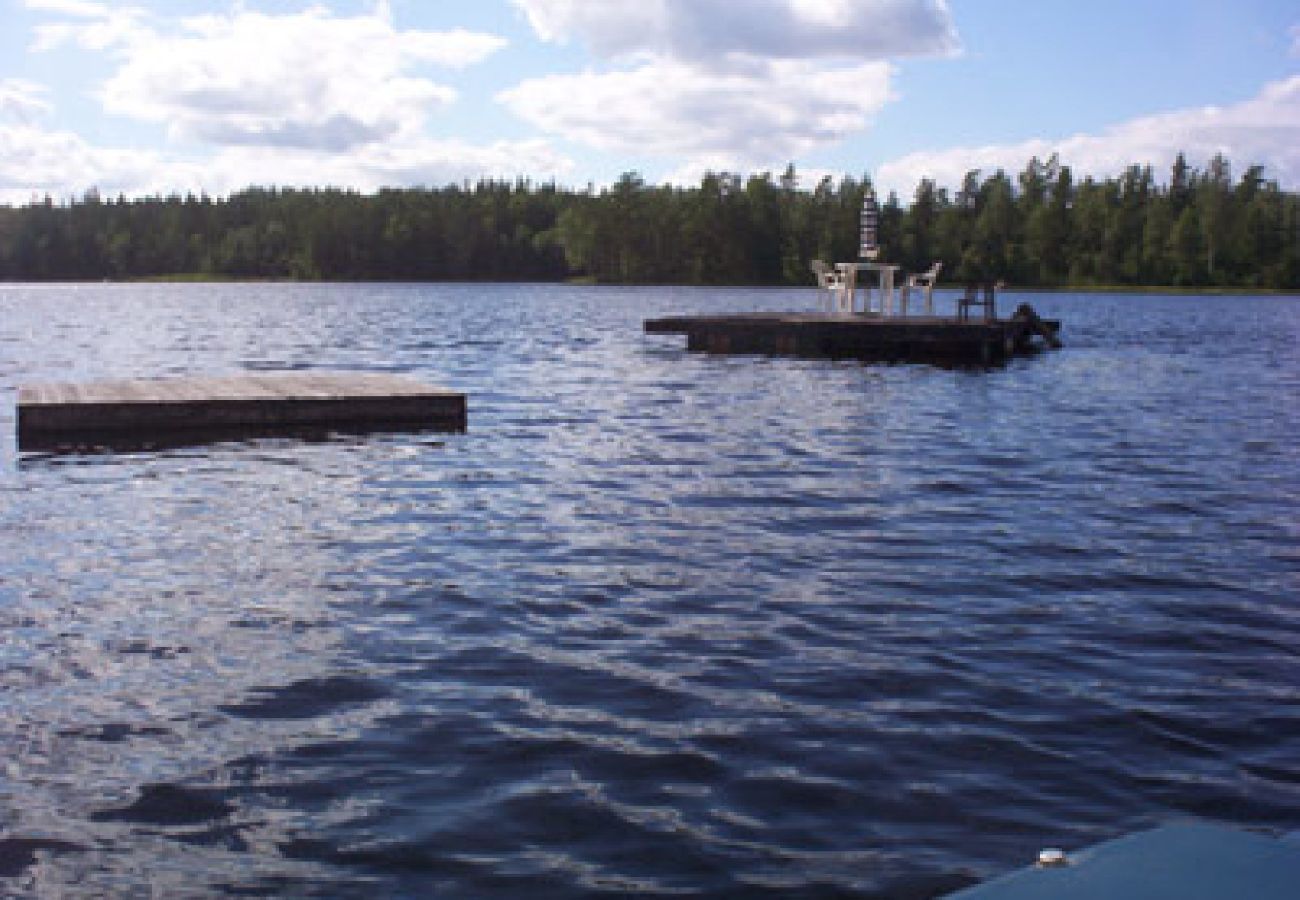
column 659, row 623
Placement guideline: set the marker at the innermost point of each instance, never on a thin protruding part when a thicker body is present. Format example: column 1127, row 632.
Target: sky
column 153, row 97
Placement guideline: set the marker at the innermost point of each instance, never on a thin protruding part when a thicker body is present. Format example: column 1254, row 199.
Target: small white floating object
column 1052, row 858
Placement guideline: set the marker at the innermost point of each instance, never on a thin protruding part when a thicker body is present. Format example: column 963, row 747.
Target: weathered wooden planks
column 935, row 339
column 168, row 410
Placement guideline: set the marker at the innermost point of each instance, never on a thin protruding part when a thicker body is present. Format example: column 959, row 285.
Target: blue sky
column 147, row 97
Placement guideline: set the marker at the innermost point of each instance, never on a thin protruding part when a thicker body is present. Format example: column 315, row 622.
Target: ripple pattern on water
column 659, row 623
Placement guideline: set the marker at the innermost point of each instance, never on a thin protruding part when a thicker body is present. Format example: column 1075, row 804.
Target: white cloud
column 716, row 84
column 718, row 118
column 36, row 161
column 22, row 101
column 96, row 26
column 307, row 80
column 423, row 162
column 292, row 100
column 1264, row 129
column 705, row 30
column 75, row 8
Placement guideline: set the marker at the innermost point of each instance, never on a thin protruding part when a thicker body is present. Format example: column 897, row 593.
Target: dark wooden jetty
column 177, row 411
column 961, row 340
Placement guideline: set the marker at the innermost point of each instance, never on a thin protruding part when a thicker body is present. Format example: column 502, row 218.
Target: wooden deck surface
column 157, row 408
column 256, row 387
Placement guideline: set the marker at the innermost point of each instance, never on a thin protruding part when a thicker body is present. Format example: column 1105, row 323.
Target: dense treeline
column 1195, row 228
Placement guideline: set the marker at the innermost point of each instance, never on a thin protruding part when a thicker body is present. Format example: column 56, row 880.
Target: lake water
column 659, row 624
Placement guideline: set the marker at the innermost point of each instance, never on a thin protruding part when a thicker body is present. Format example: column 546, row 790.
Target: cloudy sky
column 151, row 96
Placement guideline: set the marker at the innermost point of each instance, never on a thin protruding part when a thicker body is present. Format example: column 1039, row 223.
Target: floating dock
column 880, row 328
column 865, row 336
column 178, row 411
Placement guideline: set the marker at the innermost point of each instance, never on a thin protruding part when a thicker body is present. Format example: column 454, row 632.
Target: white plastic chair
column 833, row 282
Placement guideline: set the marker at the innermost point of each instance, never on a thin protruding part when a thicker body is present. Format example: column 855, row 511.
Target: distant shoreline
column 579, row 281
column 1165, row 289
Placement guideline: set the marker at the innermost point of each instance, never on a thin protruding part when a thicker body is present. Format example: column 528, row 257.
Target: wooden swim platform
column 186, row 410
column 932, row 339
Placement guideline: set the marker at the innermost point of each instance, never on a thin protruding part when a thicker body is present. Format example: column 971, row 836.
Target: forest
column 1193, row 228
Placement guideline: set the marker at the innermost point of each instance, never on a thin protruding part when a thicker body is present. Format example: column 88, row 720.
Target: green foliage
column 1039, row 228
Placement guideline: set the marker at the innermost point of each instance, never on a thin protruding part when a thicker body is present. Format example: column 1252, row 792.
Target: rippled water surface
column 660, row 623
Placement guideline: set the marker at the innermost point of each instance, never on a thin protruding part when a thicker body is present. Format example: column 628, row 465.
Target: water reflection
column 45, row 450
